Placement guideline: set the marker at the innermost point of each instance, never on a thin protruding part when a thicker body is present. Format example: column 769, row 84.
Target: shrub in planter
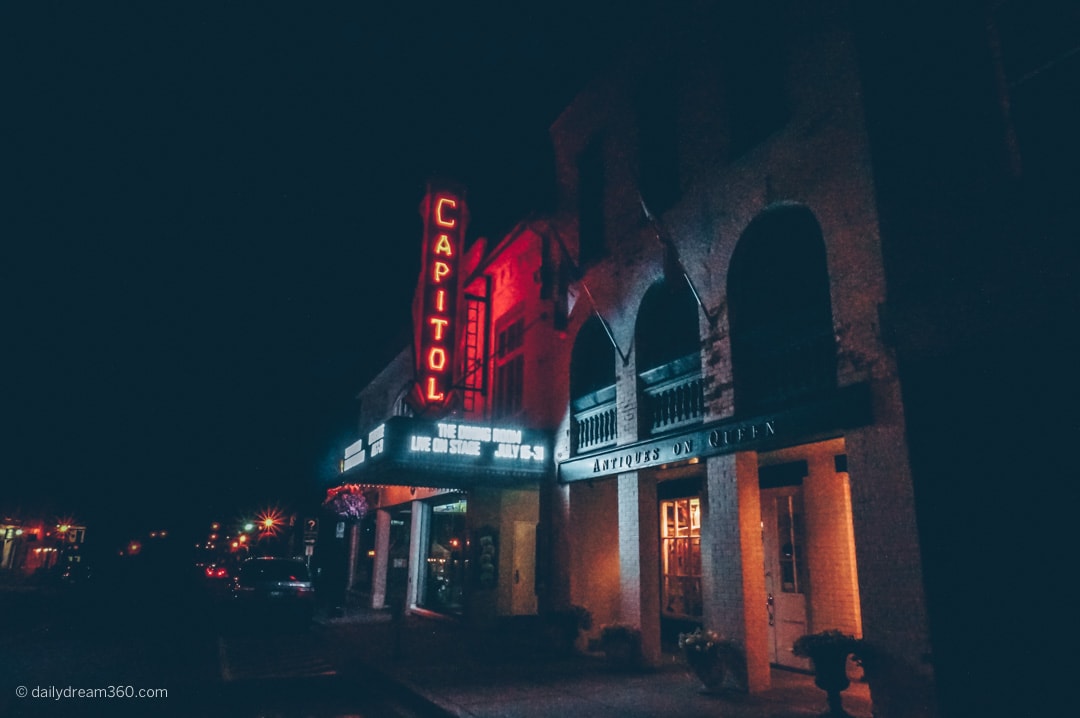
column 621, row 645
column 829, row 651
column 711, row 656
column 566, row 625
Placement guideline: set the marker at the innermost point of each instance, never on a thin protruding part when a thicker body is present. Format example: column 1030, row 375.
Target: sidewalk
column 457, row 673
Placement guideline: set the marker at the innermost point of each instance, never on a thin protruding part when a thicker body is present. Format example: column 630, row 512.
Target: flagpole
column 669, row 245
column 580, row 279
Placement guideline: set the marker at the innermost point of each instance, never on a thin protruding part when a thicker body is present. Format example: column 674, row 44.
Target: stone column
column 421, row 515
column 639, row 561
column 733, row 560
column 894, row 615
column 353, row 551
column 382, row 559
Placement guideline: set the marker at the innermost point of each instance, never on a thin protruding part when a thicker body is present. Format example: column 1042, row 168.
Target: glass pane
column 791, row 539
column 445, row 581
column 680, row 558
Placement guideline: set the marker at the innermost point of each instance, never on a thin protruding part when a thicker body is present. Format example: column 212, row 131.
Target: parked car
column 279, row 585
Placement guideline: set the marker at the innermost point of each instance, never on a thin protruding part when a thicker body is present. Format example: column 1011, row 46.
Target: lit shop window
column 680, row 551
column 509, row 369
column 789, row 522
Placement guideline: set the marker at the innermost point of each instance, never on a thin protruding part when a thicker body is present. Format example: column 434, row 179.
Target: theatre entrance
column 811, row 579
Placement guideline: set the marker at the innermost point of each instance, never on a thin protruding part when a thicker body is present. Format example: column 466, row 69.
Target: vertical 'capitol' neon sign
column 444, row 230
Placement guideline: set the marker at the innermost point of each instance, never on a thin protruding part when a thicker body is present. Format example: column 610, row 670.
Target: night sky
column 210, row 230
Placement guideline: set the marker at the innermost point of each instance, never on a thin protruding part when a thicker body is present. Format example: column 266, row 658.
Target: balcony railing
column 594, row 422
column 672, row 396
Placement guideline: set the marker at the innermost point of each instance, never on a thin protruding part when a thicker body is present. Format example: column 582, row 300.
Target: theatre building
column 456, row 432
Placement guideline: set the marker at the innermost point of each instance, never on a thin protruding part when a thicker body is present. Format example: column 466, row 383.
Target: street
column 145, row 645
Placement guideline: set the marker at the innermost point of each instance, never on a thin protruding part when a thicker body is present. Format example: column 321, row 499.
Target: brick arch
column 592, row 360
column 667, row 324
column 780, row 312
column 594, row 421
column 667, row 342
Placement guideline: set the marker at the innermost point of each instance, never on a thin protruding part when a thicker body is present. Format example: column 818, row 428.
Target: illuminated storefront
column 733, row 453
column 451, row 498
column 451, row 443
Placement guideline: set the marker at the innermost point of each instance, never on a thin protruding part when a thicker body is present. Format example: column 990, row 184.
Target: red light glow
column 444, row 226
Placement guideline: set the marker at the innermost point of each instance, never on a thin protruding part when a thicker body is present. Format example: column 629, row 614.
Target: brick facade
column 819, row 156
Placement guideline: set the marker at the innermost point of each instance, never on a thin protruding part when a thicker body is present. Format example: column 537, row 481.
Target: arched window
column 592, row 364
column 780, row 312
column 667, row 325
column 668, row 346
column 592, row 388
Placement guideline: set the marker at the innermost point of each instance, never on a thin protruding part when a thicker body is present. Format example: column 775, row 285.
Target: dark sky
column 210, row 232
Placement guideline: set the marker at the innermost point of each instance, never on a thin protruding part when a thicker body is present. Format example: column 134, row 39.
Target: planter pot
column 709, row 667
column 621, row 654
column 830, row 675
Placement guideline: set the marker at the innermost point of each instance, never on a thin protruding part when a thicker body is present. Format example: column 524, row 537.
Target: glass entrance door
column 787, row 579
column 443, row 582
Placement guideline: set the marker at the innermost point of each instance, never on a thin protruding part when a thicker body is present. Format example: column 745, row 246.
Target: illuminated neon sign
column 445, row 218
column 355, row 454
column 448, row 454
column 471, row 440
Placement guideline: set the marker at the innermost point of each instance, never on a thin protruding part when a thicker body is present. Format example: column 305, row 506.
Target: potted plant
column 564, row 627
column 709, row 655
column 621, row 645
column 828, row 651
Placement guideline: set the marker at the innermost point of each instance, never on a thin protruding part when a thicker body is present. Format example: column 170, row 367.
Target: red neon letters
column 444, row 220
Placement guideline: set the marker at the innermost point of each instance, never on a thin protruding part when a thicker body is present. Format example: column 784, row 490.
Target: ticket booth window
column 680, row 551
